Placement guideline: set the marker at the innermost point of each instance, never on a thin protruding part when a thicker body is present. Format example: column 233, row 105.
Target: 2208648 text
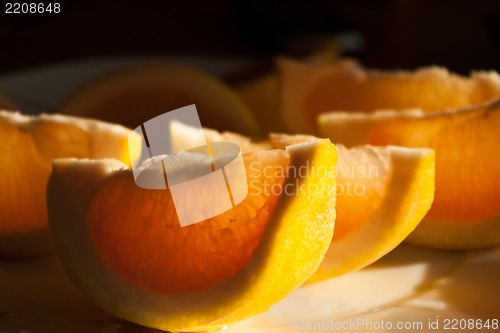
column 32, row 8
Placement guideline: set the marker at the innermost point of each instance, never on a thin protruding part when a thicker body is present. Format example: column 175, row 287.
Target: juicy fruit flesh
column 309, row 90
column 21, row 219
column 409, row 192
column 362, row 177
column 138, row 233
column 382, row 195
column 382, row 93
column 371, row 107
column 25, row 168
column 466, row 147
column 29, row 144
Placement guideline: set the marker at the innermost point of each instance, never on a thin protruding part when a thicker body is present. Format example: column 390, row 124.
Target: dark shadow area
column 460, row 35
column 37, row 296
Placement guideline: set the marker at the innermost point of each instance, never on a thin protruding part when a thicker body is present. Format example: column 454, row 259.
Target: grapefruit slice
column 382, row 195
column 310, row 89
column 465, row 213
column 123, row 246
column 133, row 95
column 262, row 94
column 29, row 145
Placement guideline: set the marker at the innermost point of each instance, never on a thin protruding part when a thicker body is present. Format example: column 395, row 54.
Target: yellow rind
column 409, row 195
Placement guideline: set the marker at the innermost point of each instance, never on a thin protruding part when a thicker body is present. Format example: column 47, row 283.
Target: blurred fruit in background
column 262, row 94
column 134, row 95
column 455, row 115
column 466, row 211
column 311, row 89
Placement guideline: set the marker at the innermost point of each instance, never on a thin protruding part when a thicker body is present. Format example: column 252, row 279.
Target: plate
column 410, row 289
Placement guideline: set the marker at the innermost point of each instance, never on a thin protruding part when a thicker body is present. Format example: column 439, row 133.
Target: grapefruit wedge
column 29, row 145
column 465, row 213
column 383, row 193
column 123, row 246
column 308, row 90
column 131, row 95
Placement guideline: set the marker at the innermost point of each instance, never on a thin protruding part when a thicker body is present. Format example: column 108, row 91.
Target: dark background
column 461, row 35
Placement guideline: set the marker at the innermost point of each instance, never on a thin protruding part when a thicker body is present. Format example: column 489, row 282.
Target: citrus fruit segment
column 262, row 94
column 183, row 135
column 132, row 96
column 465, row 213
column 382, row 195
column 124, row 248
column 146, row 230
column 29, row 145
column 310, row 89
